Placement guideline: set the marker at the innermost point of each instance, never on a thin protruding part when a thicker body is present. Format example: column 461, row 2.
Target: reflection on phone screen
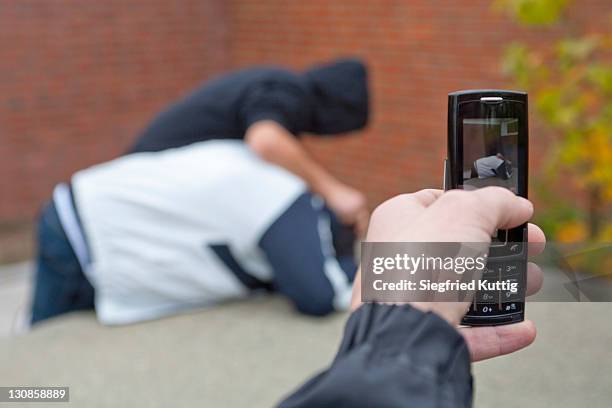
column 490, row 153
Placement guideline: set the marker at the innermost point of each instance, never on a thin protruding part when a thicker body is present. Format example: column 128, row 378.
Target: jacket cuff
column 402, row 331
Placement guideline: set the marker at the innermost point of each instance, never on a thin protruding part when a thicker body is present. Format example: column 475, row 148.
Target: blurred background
column 80, row 79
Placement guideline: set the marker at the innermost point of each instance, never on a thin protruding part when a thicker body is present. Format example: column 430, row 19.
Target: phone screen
column 490, row 153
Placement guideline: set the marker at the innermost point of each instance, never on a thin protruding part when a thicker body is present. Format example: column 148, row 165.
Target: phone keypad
column 489, row 303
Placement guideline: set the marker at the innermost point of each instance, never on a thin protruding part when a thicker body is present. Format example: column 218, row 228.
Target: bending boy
column 154, row 233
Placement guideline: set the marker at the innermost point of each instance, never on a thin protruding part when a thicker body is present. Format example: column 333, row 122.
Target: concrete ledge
column 245, row 354
column 250, row 354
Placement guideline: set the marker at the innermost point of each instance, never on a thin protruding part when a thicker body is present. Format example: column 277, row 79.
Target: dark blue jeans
column 60, row 285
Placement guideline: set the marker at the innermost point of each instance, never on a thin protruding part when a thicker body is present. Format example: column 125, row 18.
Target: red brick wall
column 78, row 79
column 418, row 51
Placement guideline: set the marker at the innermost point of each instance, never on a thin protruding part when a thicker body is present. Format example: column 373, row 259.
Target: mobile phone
column 488, row 145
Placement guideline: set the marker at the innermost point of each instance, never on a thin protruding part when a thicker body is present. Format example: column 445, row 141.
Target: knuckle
column 389, row 205
column 461, row 201
column 457, row 196
column 499, row 191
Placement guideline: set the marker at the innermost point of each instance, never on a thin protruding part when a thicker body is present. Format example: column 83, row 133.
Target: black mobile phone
column 488, row 145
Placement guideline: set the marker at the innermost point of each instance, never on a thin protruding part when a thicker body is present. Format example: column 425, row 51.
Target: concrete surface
column 14, row 297
column 249, row 354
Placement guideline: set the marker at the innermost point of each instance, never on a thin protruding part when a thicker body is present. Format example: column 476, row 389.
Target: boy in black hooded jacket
column 270, row 108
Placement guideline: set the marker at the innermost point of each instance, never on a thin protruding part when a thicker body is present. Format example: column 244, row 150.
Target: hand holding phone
column 429, row 215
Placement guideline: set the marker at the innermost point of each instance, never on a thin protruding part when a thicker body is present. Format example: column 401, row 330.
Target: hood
column 340, row 96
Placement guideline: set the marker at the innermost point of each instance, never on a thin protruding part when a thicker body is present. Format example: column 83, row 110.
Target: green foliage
column 524, row 65
column 600, row 76
column 559, row 213
column 533, row 12
column 570, row 84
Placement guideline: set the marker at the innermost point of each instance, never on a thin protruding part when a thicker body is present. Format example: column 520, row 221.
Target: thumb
column 483, row 210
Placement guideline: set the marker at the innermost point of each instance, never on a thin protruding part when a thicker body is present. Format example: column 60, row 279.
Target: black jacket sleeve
column 283, row 102
column 392, row 356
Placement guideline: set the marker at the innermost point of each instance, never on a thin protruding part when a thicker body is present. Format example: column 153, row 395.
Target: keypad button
column 510, row 268
column 518, row 294
column 515, row 248
column 509, row 296
column 511, row 307
column 487, row 297
column 487, row 309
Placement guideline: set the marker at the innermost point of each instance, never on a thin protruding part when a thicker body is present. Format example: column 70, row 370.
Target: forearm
column 393, row 356
column 275, row 145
